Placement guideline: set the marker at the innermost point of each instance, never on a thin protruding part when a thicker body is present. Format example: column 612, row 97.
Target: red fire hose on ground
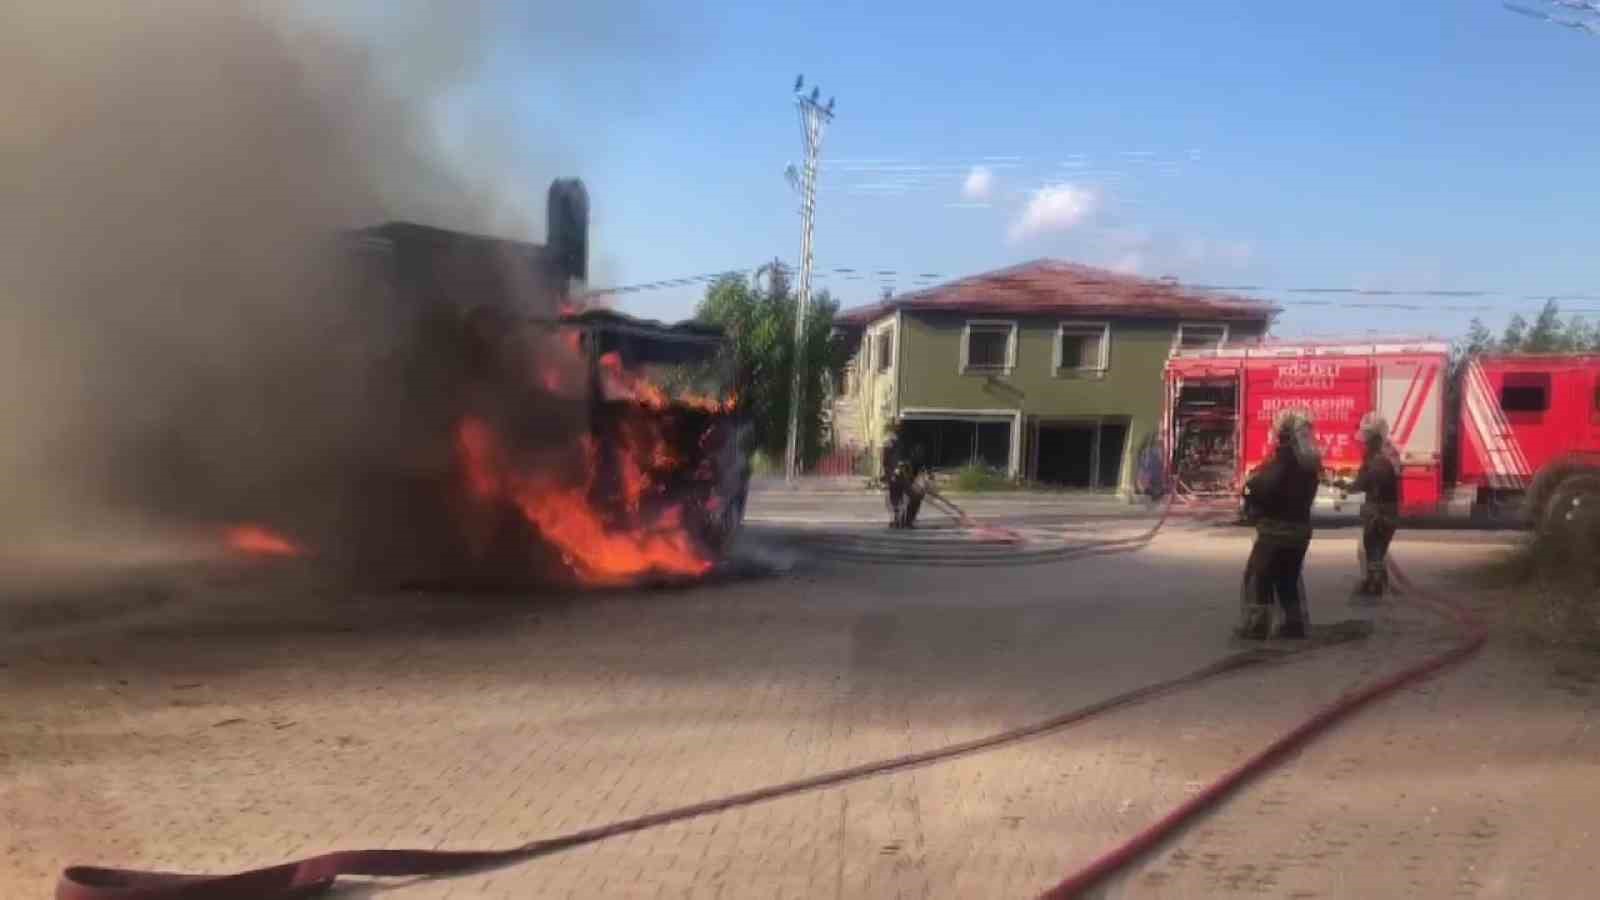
column 1473, row 637
column 312, row 875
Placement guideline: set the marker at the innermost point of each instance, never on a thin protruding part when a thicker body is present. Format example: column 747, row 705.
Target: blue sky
column 1444, row 145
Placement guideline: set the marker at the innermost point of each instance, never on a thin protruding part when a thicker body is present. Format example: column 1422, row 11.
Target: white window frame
column 1011, row 346
column 1177, row 337
column 1085, row 329
column 881, row 366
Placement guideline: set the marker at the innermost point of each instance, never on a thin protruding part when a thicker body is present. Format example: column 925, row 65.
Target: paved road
column 219, row 725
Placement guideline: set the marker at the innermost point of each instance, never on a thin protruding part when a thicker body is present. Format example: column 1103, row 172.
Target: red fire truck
column 1524, row 430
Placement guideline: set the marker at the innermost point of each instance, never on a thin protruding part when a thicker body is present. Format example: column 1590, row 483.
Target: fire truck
column 1500, row 438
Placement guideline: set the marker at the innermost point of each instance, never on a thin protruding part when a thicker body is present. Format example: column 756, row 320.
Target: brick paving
column 245, row 725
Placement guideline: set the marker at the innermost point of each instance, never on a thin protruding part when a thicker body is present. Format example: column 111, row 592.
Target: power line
column 664, row 283
column 1334, row 295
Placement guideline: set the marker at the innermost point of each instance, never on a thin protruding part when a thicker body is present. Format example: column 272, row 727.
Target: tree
column 1546, row 334
column 759, row 321
column 1578, row 336
column 1479, row 339
column 1516, row 333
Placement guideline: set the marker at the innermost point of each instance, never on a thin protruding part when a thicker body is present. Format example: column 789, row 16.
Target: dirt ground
column 215, row 724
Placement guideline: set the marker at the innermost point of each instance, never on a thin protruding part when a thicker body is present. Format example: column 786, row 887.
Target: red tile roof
column 1049, row 287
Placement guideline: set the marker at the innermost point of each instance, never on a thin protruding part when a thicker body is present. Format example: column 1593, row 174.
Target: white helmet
column 1373, row 427
column 1292, row 428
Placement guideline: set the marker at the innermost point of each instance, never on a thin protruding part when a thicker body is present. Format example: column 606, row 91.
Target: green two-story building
column 1048, row 371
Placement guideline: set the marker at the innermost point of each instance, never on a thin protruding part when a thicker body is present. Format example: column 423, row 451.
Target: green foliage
column 762, row 463
column 1578, row 336
column 1479, row 339
column 1554, row 583
column 760, row 324
column 1516, row 333
column 976, row 478
column 1547, row 332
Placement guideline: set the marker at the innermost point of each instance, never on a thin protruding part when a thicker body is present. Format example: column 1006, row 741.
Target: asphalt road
column 213, row 724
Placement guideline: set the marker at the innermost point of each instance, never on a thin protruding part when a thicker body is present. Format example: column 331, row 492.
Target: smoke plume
column 183, row 341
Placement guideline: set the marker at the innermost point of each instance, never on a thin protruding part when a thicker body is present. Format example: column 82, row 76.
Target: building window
column 1083, row 347
column 1195, row 336
column 989, row 347
column 884, row 349
column 1525, row 392
column 951, row 443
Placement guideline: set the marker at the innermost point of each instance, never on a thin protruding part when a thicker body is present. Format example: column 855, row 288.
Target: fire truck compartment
column 1206, row 425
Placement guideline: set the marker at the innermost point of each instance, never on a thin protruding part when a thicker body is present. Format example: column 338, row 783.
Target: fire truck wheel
column 1574, row 506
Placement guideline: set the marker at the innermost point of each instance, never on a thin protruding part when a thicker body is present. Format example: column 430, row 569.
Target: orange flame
column 597, row 551
column 258, row 540
column 620, row 384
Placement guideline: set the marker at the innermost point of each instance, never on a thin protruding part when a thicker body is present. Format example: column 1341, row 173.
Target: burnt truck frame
column 713, row 477
column 469, row 299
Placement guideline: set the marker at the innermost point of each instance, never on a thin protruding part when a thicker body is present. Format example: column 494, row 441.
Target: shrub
column 1557, row 577
column 762, row 464
column 975, row 478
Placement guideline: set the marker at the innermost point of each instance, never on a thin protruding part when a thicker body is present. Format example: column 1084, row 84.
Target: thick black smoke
column 184, row 340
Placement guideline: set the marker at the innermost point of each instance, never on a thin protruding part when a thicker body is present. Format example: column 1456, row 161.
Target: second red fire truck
column 1496, row 437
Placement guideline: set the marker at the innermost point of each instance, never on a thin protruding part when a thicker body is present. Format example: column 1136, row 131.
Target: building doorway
column 1066, row 455
column 1084, row 453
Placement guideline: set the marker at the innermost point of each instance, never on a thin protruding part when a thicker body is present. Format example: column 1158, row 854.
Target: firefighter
column 891, row 467
column 915, row 478
column 903, row 472
column 1379, row 483
column 1278, row 500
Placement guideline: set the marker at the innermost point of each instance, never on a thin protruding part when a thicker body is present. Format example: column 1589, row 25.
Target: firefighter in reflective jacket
column 1379, row 483
column 1278, row 501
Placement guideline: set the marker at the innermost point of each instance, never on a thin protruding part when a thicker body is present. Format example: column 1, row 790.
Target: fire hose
column 312, row 875
column 960, row 515
column 1474, row 634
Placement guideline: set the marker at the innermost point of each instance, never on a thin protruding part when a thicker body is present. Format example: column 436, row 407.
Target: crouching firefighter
column 1379, row 483
column 903, row 473
column 1278, row 501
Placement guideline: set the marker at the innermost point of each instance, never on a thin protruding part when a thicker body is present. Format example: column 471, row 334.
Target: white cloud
column 1055, row 207
column 979, row 185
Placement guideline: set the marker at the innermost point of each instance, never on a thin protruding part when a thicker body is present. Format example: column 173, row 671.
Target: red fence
column 843, row 461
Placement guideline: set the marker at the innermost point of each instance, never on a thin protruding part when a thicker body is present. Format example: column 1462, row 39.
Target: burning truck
column 1525, row 430
column 539, row 440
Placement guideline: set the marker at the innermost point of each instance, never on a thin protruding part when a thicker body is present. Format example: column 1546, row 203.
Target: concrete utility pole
column 814, row 117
